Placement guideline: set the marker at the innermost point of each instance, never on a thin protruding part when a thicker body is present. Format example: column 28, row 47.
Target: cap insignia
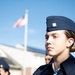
column 54, row 24
column 1, row 66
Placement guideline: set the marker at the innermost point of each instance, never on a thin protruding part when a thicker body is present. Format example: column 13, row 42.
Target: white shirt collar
column 55, row 71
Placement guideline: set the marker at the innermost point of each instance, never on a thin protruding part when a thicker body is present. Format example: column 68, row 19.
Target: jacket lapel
column 68, row 66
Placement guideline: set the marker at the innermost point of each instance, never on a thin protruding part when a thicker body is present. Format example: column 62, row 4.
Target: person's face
column 2, row 72
column 57, row 42
column 47, row 59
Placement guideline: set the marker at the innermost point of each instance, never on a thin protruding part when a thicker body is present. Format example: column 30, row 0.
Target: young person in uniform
column 60, row 37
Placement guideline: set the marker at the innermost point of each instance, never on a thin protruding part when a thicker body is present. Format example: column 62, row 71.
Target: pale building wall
column 28, row 60
column 15, row 72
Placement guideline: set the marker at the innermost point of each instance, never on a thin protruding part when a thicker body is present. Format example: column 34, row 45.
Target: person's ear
column 70, row 42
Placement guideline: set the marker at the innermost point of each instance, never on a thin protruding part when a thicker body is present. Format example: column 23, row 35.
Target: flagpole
column 25, row 37
column 26, row 30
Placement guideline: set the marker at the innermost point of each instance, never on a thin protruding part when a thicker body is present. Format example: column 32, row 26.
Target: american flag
column 21, row 21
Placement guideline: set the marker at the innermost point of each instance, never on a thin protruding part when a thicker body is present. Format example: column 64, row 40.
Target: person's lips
column 49, row 48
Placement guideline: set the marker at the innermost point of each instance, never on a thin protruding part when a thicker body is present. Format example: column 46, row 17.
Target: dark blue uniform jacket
column 67, row 68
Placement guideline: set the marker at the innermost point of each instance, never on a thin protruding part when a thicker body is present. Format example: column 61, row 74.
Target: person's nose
column 49, row 40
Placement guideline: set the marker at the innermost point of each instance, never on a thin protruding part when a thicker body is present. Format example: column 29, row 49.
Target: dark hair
column 6, row 70
column 70, row 34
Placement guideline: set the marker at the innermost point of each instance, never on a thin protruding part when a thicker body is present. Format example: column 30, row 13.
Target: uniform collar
column 68, row 65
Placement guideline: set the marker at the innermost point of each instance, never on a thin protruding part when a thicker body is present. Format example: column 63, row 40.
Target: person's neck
column 59, row 59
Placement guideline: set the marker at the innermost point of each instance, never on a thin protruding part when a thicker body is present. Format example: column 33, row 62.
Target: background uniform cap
column 4, row 64
column 59, row 23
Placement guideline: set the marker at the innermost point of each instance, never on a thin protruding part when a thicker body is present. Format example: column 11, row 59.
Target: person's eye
column 46, row 37
column 55, row 36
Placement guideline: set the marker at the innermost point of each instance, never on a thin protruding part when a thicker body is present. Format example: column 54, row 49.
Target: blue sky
column 38, row 10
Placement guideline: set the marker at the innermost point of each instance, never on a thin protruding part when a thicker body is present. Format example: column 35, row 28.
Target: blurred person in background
column 4, row 67
column 47, row 58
